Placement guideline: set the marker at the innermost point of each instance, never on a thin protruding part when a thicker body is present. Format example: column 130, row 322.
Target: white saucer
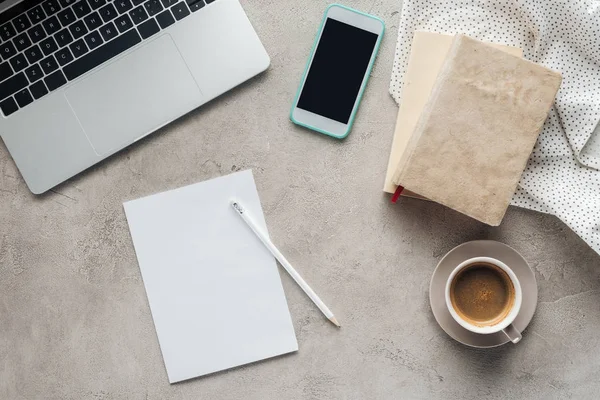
column 481, row 248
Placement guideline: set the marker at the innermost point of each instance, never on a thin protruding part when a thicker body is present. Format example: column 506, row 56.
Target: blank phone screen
column 337, row 70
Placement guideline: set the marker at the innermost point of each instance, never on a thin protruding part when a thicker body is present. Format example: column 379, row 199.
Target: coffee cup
column 484, row 296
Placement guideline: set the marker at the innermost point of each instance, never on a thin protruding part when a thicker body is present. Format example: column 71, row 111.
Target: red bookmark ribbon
column 397, row 194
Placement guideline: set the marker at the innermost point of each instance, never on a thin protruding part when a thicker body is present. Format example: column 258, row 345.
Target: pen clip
column 237, row 206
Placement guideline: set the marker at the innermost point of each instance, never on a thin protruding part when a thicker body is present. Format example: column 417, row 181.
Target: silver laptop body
column 92, row 111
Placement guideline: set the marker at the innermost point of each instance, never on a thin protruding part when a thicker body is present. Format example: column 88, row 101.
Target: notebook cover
column 427, row 55
column 477, row 130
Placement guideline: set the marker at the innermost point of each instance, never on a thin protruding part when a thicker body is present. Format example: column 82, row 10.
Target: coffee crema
column 482, row 294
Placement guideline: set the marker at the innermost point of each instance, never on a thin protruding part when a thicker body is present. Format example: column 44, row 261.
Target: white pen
column 242, row 212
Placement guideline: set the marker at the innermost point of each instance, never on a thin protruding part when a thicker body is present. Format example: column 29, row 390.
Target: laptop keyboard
column 46, row 44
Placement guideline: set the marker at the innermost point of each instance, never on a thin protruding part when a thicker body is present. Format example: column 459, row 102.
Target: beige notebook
column 427, row 55
column 477, row 130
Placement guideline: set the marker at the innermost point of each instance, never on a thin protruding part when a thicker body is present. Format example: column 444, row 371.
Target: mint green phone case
column 362, row 89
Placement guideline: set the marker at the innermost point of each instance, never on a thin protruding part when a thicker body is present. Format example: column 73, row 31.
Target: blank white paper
column 214, row 290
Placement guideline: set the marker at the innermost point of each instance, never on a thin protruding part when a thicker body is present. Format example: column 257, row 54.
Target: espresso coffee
column 482, row 294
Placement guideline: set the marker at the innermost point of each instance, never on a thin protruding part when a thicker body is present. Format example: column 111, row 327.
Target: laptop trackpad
column 134, row 95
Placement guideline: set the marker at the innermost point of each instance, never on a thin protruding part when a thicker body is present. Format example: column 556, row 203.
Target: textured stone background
column 75, row 322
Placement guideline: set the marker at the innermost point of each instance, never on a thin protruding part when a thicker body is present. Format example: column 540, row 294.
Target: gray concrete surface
column 75, row 322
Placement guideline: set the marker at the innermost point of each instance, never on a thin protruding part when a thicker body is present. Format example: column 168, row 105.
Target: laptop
column 82, row 79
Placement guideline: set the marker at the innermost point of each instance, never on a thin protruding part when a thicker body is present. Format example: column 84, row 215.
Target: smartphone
column 337, row 71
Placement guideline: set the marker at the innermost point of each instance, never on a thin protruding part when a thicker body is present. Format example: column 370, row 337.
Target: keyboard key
column 23, row 97
column 51, row 7
column 49, row 64
column 168, row 3
column 7, row 50
column 78, row 48
column 13, row 84
column 165, row 19
column 180, row 11
column 66, row 3
column 51, row 25
column 55, row 80
column 5, row 70
column 81, row 9
column 123, row 6
column 63, row 38
column 18, row 62
column 102, row 54
column 137, row 2
column 36, row 14
column 93, row 40
column 153, row 7
column 209, row 1
column 7, row 31
column 93, row 21
column 33, row 54
column 138, row 15
column 66, row 17
column 22, row 42
column 148, row 28
column 108, row 31
column 48, row 46
column 195, row 5
column 37, row 33
column 78, row 29
column 96, row 4
column 38, row 89
column 123, row 23
column 108, row 12
column 34, row 73
column 21, row 23
column 9, row 106
column 64, row 56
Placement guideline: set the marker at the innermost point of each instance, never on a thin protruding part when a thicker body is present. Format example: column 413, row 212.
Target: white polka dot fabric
column 563, row 173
